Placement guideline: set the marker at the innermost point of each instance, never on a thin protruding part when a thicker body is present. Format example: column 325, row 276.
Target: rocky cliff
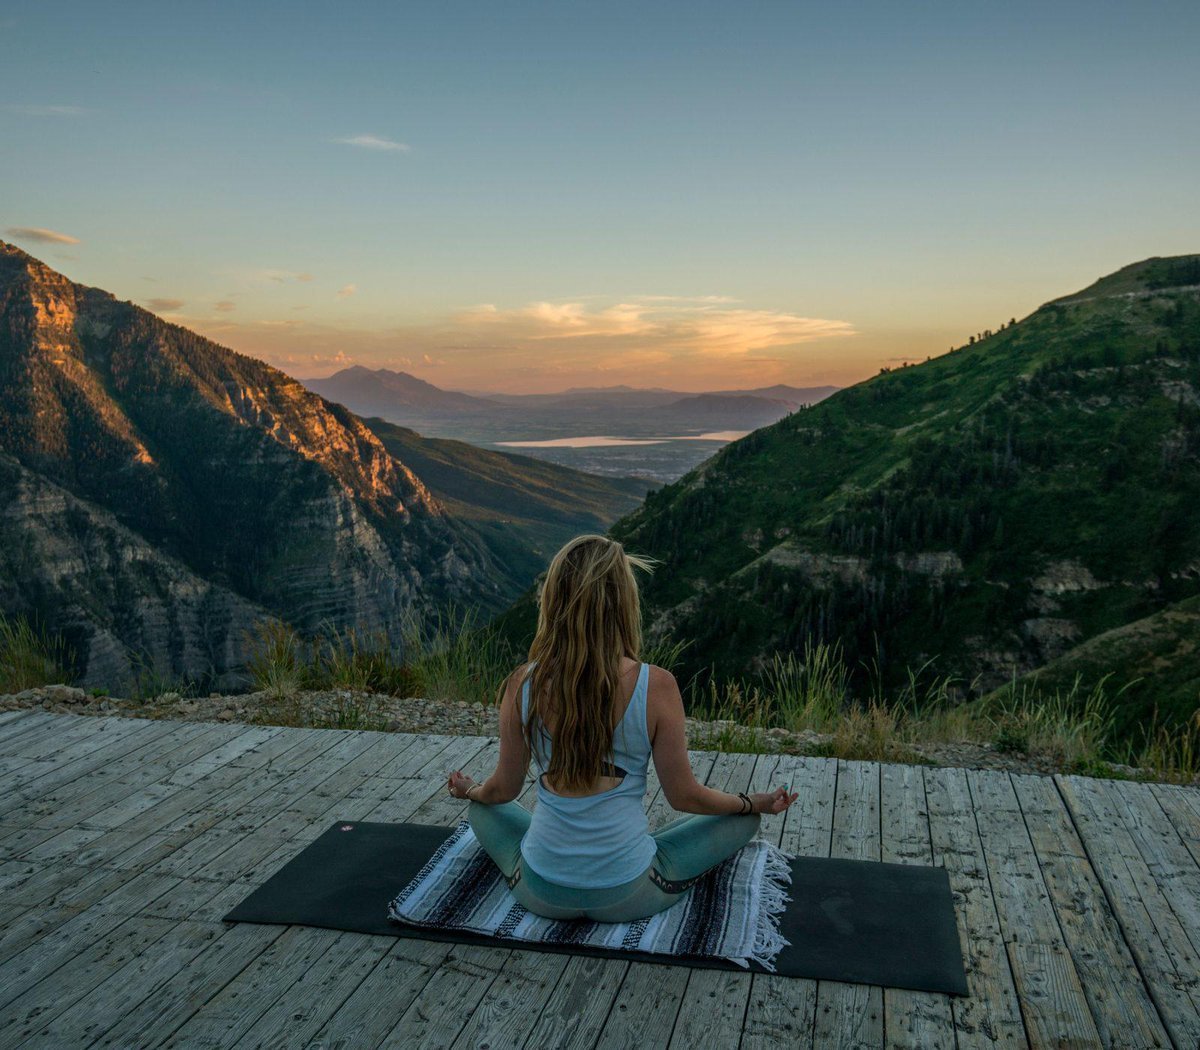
column 160, row 492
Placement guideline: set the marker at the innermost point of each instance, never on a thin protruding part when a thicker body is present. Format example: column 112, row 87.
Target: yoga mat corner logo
column 346, row 827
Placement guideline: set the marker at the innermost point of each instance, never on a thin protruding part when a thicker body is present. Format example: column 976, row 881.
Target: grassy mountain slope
column 987, row 510
column 1158, row 655
column 524, row 508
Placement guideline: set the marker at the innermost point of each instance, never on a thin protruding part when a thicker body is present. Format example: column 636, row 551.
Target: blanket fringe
column 768, row 941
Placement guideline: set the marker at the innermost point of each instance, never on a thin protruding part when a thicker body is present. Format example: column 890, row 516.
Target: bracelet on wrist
column 747, row 803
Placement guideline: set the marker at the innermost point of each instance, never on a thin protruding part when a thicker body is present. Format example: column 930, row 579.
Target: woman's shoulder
column 660, row 684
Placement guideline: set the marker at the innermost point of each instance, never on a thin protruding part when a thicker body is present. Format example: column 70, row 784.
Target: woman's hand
column 459, row 784
column 772, row 801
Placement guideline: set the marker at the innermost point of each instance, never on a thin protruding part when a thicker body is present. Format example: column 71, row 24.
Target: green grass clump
column 278, row 660
column 1071, row 727
column 1172, row 753
column 356, row 660
column 455, row 658
column 29, row 657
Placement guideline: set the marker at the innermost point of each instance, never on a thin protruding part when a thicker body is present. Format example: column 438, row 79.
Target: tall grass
column 278, row 661
column 1172, row 753
column 1072, row 728
column 454, row 658
column 29, row 657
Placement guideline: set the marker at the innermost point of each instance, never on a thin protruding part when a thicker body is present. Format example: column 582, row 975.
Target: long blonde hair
column 589, row 618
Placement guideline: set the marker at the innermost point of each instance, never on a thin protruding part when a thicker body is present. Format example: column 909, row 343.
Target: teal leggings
column 687, row 848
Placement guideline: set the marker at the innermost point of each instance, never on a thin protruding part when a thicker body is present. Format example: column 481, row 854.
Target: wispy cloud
column 165, row 306
column 346, row 291
column 689, row 342
column 375, row 142
column 225, row 306
column 41, row 235
column 703, row 325
column 47, row 111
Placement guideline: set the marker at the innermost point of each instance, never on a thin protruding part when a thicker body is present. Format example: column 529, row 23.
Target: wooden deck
column 123, row 842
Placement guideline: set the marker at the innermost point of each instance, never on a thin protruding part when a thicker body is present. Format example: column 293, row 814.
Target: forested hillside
column 987, row 510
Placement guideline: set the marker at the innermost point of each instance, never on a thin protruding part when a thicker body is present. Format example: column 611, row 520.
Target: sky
column 525, row 197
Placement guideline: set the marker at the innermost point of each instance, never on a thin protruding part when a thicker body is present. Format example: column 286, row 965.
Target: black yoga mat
column 870, row 923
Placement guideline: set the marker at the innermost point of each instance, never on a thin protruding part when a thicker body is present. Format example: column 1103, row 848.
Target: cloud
column 47, row 111
column 225, row 306
column 281, row 276
column 680, row 342
column 697, row 325
column 41, row 234
column 346, row 291
column 165, row 306
column 375, row 142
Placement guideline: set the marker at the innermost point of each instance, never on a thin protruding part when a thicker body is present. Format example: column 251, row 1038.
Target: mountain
column 161, row 493
column 715, row 410
column 381, row 391
column 987, row 510
column 524, row 508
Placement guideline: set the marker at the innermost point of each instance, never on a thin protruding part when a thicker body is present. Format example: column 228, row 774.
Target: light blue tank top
column 599, row 840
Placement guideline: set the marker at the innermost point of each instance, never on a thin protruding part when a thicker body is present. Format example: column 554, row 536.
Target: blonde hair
column 589, row 618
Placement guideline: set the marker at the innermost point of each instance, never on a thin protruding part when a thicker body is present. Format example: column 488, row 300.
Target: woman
column 591, row 714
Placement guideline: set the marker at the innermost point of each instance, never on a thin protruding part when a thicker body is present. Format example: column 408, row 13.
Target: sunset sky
column 526, row 197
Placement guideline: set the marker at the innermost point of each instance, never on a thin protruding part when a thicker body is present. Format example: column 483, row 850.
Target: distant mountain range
column 1029, row 501
column 160, row 494
column 403, row 398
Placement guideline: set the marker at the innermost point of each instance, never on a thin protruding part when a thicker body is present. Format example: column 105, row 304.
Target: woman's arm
column 506, row 783
column 669, row 740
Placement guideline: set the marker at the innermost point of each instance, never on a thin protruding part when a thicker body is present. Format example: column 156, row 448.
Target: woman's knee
column 499, row 830
column 704, row 843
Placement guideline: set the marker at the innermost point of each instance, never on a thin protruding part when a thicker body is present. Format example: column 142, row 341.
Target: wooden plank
column 918, row 1020
column 234, row 1009
column 284, row 812
column 1120, row 1002
column 579, row 1005
column 38, row 734
column 646, row 1007
column 782, row 1010
column 297, row 1015
column 714, row 1002
column 91, row 962
column 513, row 1001
column 1055, row 1009
column 851, row 1015
column 1164, row 851
column 444, row 1006
column 990, row 1015
column 61, row 741
column 1182, row 807
column 376, row 1006
column 33, row 965
column 116, row 741
column 1148, row 924
column 112, row 802
column 182, row 992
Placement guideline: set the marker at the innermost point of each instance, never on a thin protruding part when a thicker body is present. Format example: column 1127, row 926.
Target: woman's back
column 599, row 839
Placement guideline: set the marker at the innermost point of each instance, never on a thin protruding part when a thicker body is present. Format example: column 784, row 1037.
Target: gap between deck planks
column 119, row 858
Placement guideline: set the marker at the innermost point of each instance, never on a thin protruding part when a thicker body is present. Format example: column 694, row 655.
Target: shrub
column 277, row 660
column 29, row 657
column 453, row 658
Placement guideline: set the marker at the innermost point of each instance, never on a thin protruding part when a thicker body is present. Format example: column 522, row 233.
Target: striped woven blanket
column 731, row 913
